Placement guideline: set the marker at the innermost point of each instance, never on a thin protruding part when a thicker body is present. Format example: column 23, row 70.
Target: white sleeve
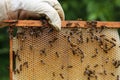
column 3, row 12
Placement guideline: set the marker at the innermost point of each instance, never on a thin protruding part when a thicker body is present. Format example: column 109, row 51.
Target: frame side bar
column 11, row 59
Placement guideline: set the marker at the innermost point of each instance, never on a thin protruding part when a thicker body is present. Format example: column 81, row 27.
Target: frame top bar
column 37, row 23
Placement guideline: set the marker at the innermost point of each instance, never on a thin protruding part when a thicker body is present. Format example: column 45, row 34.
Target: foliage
column 4, row 41
column 105, row 10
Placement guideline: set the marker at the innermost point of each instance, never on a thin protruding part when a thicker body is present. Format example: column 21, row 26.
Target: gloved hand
column 24, row 9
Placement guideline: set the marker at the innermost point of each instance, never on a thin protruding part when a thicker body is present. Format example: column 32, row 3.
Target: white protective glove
column 3, row 13
column 19, row 9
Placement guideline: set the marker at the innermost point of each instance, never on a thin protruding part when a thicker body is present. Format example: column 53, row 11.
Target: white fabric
column 3, row 12
column 51, row 8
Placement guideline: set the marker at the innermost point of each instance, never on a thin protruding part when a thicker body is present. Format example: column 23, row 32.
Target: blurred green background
column 102, row 10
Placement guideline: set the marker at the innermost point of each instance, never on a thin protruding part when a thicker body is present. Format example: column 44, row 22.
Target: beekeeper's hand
column 34, row 8
column 56, row 5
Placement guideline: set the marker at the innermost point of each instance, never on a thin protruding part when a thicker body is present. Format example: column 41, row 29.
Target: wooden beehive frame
column 82, row 24
column 33, row 23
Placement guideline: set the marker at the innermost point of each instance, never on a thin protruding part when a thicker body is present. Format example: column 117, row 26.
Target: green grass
column 4, row 67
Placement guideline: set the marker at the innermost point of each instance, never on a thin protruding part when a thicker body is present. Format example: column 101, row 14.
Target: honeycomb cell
column 71, row 54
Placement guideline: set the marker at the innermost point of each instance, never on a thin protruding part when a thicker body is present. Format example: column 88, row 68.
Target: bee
column 88, row 72
column 17, row 71
column 71, row 33
column 101, row 46
column 74, row 52
column 106, row 47
column 118, row 78
column 105, row 72
column 112, row 74
column 25, row 64
column 93, row 56
column 96, row 65
column 81, row 60
column 96, row 77
column 79, row 41
column 74, row 30
column 88, row 23
column 73, row 44
column 21, row 67
column 80, row 51
column 52, row 41
column 101, row 73
column 31, row 33
column 100, row 41
column 17, row 56
column 102, row 28
column 53, row 74
column 88, row 66
column 113, row 39
column 106, row 51
column 111, row 43
column 116, row 63
column 94, row 24
column 50, row 30
column 69, row 39
column 42, row 62
column 102, row 35
column 81, row 38
column 14, row 71
column 82, row 57
column 64, row 36
column 43, row 51
column 87, row 40
column 92, row 39
column 96, row 50
column 107, row 60
column 69, row 24
column 61, row 75
column 96, row 37
column 62, row 67
column 57, row 55
column 69, row 66
column 23, row 38
column 10, row 31
column 88, row 78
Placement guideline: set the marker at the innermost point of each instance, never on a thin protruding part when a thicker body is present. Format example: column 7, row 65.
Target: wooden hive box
column 80, row 51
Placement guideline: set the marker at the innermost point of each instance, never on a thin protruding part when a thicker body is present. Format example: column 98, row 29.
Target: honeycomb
column 72, row 54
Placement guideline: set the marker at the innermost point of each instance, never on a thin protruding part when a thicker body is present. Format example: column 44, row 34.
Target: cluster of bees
column 16, row 56
column 94, row 34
